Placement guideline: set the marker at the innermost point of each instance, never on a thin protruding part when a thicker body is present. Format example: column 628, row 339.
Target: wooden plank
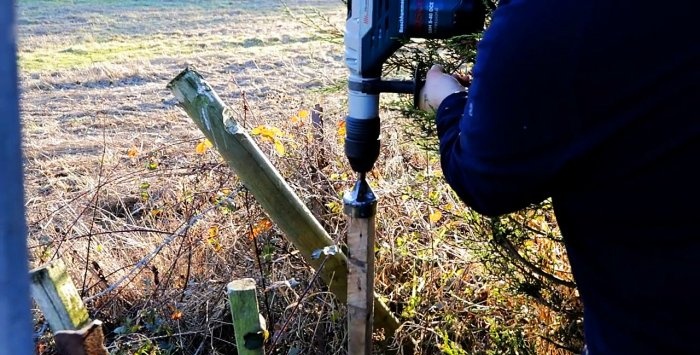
column 57, row 297
column 15, row 304
column 260, row 177
column 248, row 324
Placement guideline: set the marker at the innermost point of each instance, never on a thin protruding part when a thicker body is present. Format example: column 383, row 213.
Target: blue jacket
column 595, row 104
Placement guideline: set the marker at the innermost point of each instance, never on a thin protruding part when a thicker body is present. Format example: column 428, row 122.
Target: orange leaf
column 341, row 130
column 176, row 315
column 132, row 152
column 261, row 227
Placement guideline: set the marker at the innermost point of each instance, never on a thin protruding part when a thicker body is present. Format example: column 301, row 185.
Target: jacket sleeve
column 503, row 147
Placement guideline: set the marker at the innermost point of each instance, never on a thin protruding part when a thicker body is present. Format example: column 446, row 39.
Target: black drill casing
column 362, row 142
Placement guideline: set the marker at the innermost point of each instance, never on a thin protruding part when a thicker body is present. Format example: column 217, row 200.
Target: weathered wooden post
column 360, row 205
column 270, row 189
column 248, row 324
column 59, row 301
column 15, row 305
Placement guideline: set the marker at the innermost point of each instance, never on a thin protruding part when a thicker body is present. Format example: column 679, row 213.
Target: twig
column 513, row 252
column 200, row 347
column 94, row 209
column 171, row 269
column 505, row 244
column 131, row 342
column 559, row 345
column 188, row 271
column 134, row 230
column 146, row 259
column 296, row 307
column 266, row 300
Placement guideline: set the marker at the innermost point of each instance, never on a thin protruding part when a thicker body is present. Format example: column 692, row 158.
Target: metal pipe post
column 15, row 317
column 360, row 205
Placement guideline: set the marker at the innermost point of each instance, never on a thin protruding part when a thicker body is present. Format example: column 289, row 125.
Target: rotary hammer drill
column 374, row 30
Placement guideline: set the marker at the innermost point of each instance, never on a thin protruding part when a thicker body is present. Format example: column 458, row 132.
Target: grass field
column 121, row 187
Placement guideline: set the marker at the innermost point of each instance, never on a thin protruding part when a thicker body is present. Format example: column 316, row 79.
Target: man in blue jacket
column 594, row 104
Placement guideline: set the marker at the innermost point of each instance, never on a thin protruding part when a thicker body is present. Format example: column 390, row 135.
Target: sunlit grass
column 84, row 54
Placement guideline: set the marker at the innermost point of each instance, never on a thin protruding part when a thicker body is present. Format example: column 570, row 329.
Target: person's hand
column 438, row 86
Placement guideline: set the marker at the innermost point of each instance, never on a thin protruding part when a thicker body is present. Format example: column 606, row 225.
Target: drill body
column 375, row 29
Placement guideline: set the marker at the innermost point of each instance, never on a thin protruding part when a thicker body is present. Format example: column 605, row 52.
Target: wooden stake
column 57, row 297
column 360, row 205
column 360, row 242
column 248, row 324
column 54, row 292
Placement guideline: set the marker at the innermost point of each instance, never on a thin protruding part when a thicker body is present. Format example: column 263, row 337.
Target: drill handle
column 379, row 86
column 375, row 87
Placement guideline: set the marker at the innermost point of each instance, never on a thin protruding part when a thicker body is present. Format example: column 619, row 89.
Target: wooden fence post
column 360, row 205
column 54, row 292
column 59, row 301
column 248, row 324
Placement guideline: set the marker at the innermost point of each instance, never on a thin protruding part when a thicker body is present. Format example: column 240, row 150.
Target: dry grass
column 152, row 231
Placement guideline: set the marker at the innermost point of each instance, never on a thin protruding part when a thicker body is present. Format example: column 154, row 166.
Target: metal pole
column 15, row 317
column 360, row 205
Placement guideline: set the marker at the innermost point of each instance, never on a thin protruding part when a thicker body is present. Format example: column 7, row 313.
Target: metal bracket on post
column 360, row 205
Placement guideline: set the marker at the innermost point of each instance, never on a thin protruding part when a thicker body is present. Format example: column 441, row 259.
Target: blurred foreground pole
column 15, row 318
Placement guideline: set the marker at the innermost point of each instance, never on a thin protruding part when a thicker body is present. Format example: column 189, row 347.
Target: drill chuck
column 362, row 143
column 362, row 128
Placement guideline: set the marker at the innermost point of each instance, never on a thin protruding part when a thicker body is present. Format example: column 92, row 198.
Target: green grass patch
column 129, row 49
column 119, row 3
column 84, row 54
column 136, row 4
